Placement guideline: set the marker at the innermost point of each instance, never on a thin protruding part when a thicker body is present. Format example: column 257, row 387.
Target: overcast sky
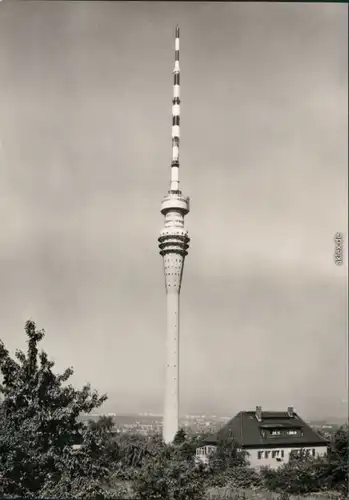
column 85, row 135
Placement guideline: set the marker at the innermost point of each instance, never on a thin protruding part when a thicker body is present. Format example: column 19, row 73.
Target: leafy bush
column 295, row 477
column 167, row 476
column 228, row 465
column 337, row 471
column 307, row 474
column 243, row 477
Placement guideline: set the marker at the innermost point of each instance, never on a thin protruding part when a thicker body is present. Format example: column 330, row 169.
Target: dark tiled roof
column 247, row 431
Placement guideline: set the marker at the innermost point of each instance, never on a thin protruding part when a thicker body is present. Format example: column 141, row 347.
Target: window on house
column 259, row 455
column 292, row 432
column 266, row 454
column 276, row 433
column 313, row 452
column 282, row 454
column 275, row 453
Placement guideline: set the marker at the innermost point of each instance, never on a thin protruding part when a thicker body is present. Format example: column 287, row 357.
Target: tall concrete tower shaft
column 173, row 243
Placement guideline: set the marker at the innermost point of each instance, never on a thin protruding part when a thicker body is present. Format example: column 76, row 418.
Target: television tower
column 173, row 243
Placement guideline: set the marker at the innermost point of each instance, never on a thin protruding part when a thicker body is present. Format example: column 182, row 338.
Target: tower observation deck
column 173, row 244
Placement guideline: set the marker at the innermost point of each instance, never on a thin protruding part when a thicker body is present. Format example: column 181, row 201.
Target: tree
column 187, row 449
column 85, row 474
column 229, row 466
column 133, row 449
column 166, row 476
column 228, row 455
column 39, row 423
column 338, row 461
column 104, row 422
column 180, row 437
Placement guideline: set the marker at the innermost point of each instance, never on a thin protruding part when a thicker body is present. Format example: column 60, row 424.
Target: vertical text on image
column 338, row 249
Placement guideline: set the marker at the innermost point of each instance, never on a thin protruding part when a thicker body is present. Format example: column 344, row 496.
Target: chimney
column 290, row 411
column 259, row 413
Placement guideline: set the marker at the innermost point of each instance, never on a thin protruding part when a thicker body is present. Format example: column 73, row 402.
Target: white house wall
column 203, row 454
column 273, row 463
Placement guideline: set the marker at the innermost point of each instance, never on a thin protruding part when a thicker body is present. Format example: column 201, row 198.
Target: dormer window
column 275, row 433
column 293, row 432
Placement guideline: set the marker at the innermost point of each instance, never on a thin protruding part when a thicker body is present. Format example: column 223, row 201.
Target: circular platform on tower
column 175, row 201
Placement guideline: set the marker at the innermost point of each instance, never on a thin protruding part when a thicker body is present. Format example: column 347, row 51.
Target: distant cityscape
column 149, row 423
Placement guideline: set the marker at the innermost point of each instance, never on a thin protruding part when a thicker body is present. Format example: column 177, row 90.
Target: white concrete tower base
column 171, row 408
column 173, row 243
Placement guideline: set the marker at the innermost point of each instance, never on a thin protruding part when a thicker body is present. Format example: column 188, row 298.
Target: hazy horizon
column 85, row 150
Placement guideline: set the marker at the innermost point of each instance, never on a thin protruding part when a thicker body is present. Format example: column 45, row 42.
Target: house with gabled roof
column 268, row 437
